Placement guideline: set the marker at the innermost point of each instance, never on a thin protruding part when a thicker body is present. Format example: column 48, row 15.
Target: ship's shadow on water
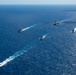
column 41, row 48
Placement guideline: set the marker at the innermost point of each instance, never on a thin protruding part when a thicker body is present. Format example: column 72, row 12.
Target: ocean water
column 23, row 53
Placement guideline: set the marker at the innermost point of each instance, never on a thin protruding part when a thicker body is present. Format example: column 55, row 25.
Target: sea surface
column 23, row 53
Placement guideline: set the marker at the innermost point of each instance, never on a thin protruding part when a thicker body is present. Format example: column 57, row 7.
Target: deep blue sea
column 23, row 53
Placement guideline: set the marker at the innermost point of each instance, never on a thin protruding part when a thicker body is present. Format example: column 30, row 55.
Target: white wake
column 24, row 29
column 22, row 51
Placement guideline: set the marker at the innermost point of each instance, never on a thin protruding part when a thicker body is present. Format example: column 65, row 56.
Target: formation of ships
column 42, row 37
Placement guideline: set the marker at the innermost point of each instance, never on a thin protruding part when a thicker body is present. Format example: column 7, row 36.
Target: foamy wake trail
column 24, row 29
column 19, row 53
column 67, row 20
column 29, row 27
column 25, row 49
column 74, row 30
column 44, row 36
column 62, row 21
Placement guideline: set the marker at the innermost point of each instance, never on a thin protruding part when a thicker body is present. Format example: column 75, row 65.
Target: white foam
column 24, row 29
column 13, row 56
column 44, row 36
column 29, row 27
column 62, row 21
column 74, row 29
column 18, row 53
column 6, row 61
